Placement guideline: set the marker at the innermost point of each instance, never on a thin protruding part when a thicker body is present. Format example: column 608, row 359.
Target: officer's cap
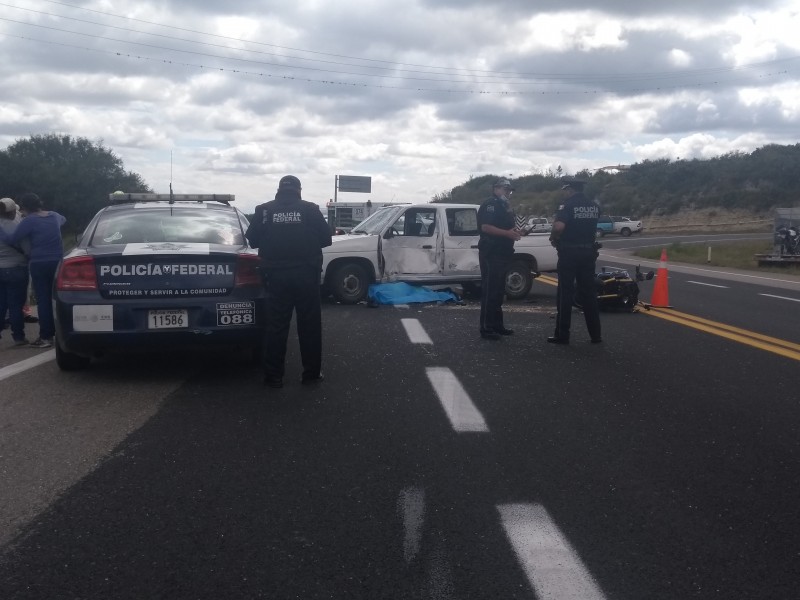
column 573, row 184
column 503, row 183
column 289, row 182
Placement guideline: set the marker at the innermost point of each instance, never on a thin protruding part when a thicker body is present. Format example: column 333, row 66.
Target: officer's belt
column 581, row 246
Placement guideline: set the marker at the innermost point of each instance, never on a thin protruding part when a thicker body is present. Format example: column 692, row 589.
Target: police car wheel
column 67, row 361
column 349, row 284
column 625, row 232
column 519, row 280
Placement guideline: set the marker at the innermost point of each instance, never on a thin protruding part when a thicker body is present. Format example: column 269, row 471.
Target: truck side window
column 399, row 226
column 462, row 221
column 419, row 223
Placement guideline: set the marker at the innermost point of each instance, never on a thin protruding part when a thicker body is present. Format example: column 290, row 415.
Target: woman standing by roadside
column 42, row 229
column 13, row 274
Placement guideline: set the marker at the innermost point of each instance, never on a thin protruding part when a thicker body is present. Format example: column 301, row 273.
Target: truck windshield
column 375, row 223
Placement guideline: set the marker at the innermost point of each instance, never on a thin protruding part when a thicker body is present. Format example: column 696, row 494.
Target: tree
column 71, row 175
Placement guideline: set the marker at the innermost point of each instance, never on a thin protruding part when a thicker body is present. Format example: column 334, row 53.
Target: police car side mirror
column 389, row 234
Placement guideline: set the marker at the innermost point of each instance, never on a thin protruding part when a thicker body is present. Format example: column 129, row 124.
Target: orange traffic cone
column 660, row 297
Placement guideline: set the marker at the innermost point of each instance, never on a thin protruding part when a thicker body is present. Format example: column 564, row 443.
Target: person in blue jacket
column 42, row 230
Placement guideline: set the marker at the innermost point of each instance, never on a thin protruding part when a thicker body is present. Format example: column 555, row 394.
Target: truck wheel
column 67, row 361
column 519, row 280
column 600, row 233
column 625, row 232
column 349, row 283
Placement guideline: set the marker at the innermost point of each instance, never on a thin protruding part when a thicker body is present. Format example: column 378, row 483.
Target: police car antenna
column 171, row 198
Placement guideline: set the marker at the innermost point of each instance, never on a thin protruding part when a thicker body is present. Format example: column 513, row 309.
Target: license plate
column 168, row 319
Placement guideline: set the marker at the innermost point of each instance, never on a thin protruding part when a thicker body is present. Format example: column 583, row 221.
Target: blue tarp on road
column 403, row 293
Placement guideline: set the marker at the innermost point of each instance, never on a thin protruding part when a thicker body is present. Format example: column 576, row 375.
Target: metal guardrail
column 697, row 225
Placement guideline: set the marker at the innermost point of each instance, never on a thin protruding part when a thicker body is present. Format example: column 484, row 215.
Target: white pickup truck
column 424, row 244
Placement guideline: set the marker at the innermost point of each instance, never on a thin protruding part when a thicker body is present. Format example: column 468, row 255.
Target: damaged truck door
column 411, row 247
column 423, row 244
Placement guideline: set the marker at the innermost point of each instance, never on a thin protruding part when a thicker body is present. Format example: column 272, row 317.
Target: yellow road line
column 736, row 330
column 743, row 336
column 748, row 338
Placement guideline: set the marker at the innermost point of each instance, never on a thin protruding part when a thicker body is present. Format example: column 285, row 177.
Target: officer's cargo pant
column 577, row 266
column 287, row 290
column 493, row 289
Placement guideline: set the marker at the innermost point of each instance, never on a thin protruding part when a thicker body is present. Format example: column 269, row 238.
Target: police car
column 159, row 271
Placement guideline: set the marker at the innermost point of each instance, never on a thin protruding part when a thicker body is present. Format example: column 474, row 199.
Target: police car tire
column 342, row 280
column 67, row 361
column 625, row 232
column 520, row 274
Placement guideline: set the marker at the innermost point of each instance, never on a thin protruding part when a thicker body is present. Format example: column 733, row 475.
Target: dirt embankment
column 711, row 219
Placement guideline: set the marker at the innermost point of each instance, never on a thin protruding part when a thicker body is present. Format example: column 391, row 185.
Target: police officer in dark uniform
column 498, row 232
column 290, row 234
column 573, row 235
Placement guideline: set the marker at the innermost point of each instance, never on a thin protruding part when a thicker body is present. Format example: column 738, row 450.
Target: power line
column 168, row 61
column 583, row 78
column 202, row 43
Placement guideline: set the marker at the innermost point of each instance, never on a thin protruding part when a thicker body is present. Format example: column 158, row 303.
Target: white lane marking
column 26, row 364
column 416, row 333
column 463, row 414
column 411, row 504
column 708, row 284
column 780, row 297
column 550, row 563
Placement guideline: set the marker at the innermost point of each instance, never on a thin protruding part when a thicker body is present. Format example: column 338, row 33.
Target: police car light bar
column 122, row 197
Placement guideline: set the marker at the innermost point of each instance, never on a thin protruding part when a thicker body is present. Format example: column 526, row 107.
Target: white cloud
column 422, row 99
column 680, row 58
column 699, row 146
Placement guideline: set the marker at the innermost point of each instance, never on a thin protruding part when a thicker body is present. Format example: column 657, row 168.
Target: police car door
column 411, row 248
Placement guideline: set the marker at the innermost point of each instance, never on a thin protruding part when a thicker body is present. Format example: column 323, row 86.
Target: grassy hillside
column 730, row 188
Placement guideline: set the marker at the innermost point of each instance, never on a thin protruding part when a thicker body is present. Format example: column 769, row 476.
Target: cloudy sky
column 419, row 95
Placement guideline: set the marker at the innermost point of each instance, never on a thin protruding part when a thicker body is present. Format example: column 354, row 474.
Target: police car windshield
column 195, row 224
column 375, row 223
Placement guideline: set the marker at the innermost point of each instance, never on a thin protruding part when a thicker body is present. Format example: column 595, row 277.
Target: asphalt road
column 430, row 464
